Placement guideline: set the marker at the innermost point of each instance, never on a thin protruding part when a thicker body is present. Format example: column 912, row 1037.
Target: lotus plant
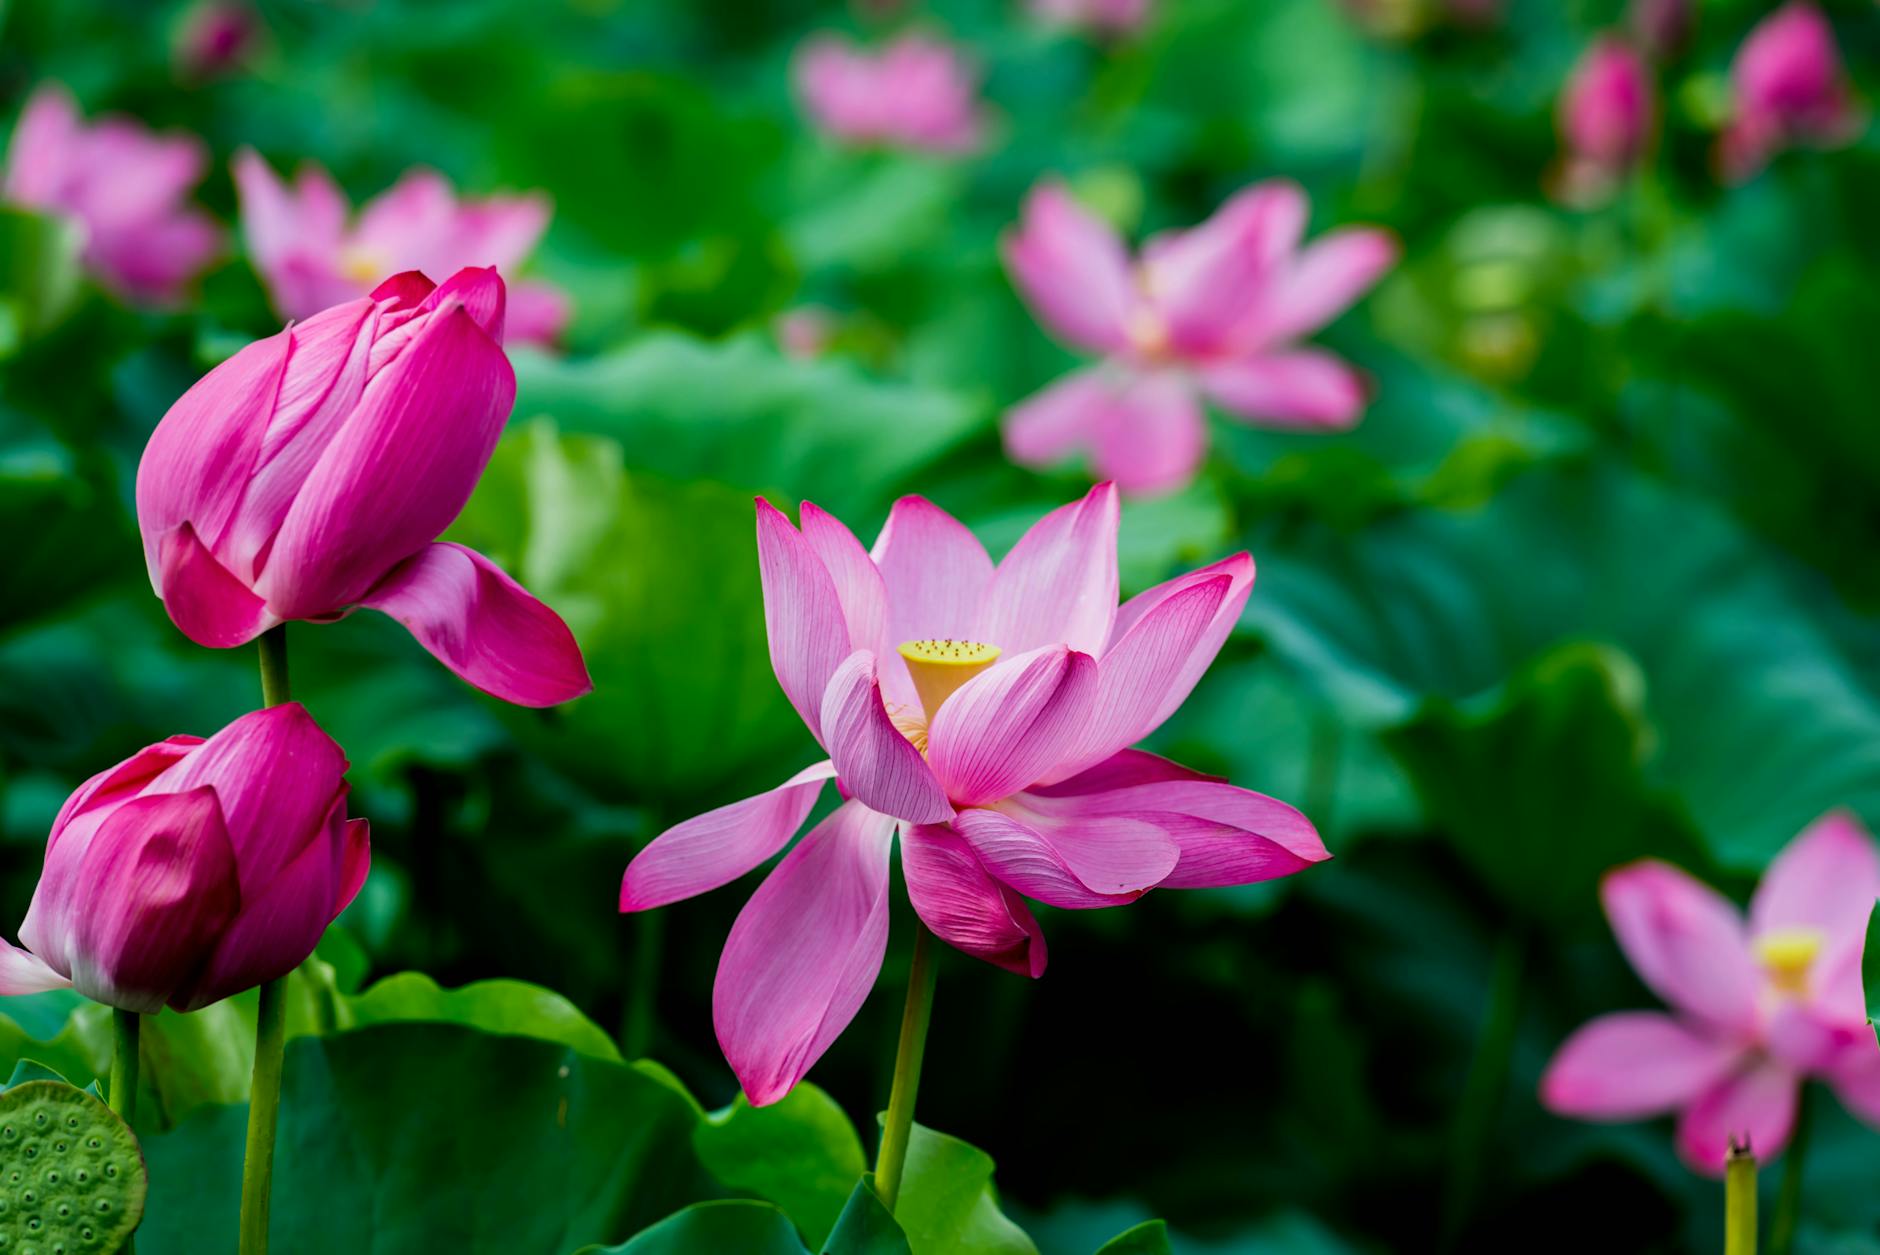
column 917, row 93
column 983, row 714
column 312, row 253
column 1215, row 312
column 1758, row 1006
column 309, row 474
column 125, row 187
column 1607, row 112
column 1789, row 88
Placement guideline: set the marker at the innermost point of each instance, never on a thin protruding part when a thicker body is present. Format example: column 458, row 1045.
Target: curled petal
column 1239, row 569
column 1685, row 940
column 488, row 629
column 717, row 847
column 1754, row 1108
column 1008, row 727
column 804, row 952
column 1103, row 861
column 859, row 587
column 803, row 615
column 204, row 599
column 878, row 765
column 23, row 972
column 969, row 910
column 1058, row 584
column 1328, row 275
column 1633, row 1065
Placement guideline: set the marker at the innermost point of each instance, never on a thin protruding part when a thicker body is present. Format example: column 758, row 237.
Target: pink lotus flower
column 309, row 473
column 194, row 869
column 216, row 37
column 985, row 713
column 1790, row 88
column 311, row 256
column 1607, row 113
column 917, row 92
column 124, row 185
column 1110, row 17
column 1215, row 311
column 1757, row 1008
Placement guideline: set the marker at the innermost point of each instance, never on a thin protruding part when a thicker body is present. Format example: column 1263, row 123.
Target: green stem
column 127, row 1032
column 264, row 1100
column 1789, row 1201
column 1483, row 1087
column 1739, row 1202
column 899, row 1125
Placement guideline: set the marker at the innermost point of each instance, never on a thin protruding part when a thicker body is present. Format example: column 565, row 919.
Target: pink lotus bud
column 124, row 184
column 194, row 869
column 1606, row 119
column 804, row 332
column 215, row 37
column 916, row 92
column 1790, row 88
column 1108, row 17
column 1663, row 26
column 310, row 473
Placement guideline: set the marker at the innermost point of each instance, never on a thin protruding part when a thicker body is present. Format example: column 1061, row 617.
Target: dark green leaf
column 734, row 1226
column 866, row 1227
column 801, row 1153
column 1148, row 1238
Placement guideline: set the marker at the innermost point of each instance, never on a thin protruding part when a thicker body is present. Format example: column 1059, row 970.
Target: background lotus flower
column 1757, row 1007
column 1215, row 311
column 1606, row 116
column 310, row 472
column 1789, row 88
column 1115, row 17
column 917, row 92
column 216, row 37
column 312, row 253
column 124, row 184
column 986, row 713
column 194, row 869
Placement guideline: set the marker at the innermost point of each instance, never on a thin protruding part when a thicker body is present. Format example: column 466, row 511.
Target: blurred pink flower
column 1607, row 114
column 124, row 185
column 215, row 37
column 804, row 332
column 917, row 92
column 1757, row 1007
column 1215, row 311
column 986, row 713
column 310, row 473
column 194, row 869
column 1662, row 26
column 312, row 254
column 1114, row 17
column 1790, row 88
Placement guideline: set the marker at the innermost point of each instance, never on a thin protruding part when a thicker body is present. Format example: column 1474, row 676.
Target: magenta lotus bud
column 310, row 473
column 1790, row 88
column 917, row 93
column 124, row 184
column 215, row 37
column 1663, row 26
column 1607, row 114
column 194, row 869
column 1107, row 17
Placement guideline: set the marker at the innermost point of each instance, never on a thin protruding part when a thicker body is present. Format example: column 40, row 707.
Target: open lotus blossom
column 986, row 714
column 1110, row 17
column 124, row 185
column 1212, row 312
column 1789, row 87
column 1607, row 113
column 194, row 869
column 918, row 92
column 1757, row 1006
column 310, row 473
column 311, row 252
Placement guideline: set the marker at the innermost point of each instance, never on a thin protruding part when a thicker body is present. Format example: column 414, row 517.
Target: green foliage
column 757, row 1228
column 801, row 1153
column 948, row 1205
column 504, row 1007
column 866, row 1227
column 1148, row 1238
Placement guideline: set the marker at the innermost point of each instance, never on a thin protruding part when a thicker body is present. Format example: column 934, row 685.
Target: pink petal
column 481, row 292
column 965, row 907
column 1856, row 1081
column 804, row 952
column 355, row 861
column 1123, row 771
column 1204, row 280
column 406, row 290
column 1007, row 727
column 859, row 587
column 1063, row 419
column 1634, row 1065
column 207, row 603
column 809, row 635
column 159, row 886
column 876, row 763
column 46, row 140
column 1810, row 1039
column 1685, row 940
column 1827, row 878
column 1098, row 862
column 1239, row 569
column 399, row 470
column 23, row 972
column 717, row 847
column 538, row 313
column 488, row 629
column 1326, row 278
column 1137, row 672
column 1153, row 437
column 1072, row 270
column 1058, row 584
column 1755, row 1108
column 935, row 570
column 293, row 235
column 1302, row 388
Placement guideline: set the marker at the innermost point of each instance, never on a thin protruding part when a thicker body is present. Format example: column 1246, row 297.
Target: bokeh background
column 1595, row 578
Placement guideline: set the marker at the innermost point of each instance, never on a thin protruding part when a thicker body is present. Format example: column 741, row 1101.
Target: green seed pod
column 72, row 1179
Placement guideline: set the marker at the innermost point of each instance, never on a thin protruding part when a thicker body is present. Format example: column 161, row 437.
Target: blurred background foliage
column 1597, row 577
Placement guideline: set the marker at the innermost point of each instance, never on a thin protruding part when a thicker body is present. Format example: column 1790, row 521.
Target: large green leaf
column 1148, row 1238
column 39, row 273
column 947, row 1204
column 511, row 1007
column 866, row 1226
column 802, row 1154
column 431, row 1137
column 736, row 1225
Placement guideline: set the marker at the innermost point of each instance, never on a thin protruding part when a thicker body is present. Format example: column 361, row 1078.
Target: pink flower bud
column 1606, row 119
column 1790, row 88
column 215, row 37
column 310, row 473
column 194, row 869
column 916, row 92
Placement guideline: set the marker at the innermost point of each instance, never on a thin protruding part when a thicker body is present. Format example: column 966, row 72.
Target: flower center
column 940, row 667
column 1148, row 332
column 1787, row 954
column 361, row 265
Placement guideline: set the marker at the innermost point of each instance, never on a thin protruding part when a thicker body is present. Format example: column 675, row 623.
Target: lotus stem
column 1739, row 1202
column 127, row 1033
column 899, row 1126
